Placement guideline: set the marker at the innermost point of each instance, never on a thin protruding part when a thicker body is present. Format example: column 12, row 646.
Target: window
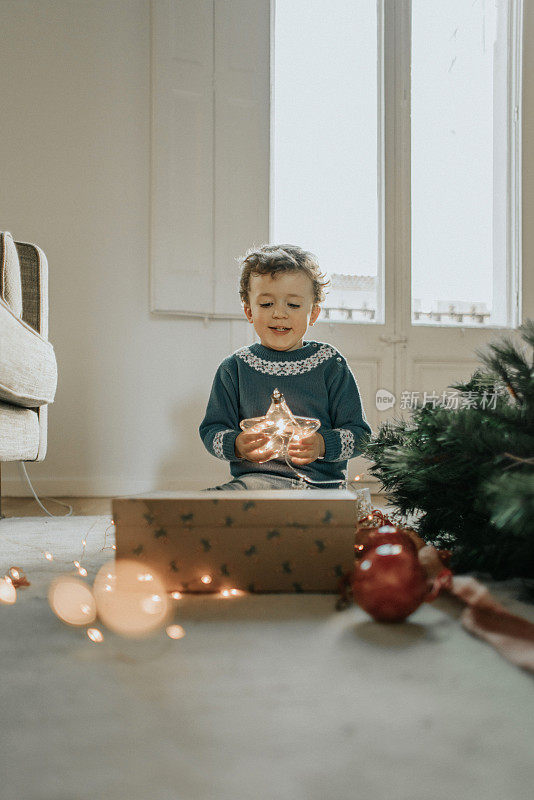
column 268, row 124
column 463, row 263
column 324, row 146
column 326, row 162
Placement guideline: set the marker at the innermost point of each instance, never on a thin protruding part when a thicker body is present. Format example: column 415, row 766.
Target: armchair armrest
column 34, row 280
column 34, row 284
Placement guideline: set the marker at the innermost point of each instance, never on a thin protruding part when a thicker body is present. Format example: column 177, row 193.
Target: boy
column 281, row 288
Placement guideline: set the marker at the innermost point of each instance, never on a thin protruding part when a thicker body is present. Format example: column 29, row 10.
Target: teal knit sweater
column 316, row 382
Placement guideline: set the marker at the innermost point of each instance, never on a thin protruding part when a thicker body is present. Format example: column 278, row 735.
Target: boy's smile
column 281, row 308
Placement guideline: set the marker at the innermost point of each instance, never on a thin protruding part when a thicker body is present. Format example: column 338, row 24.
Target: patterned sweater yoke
column 316, row 382
column 299, row 367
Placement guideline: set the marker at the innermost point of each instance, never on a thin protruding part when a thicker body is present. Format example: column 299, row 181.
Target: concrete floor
column 267, row 697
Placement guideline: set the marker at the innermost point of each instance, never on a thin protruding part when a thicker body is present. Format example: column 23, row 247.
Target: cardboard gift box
column 265, row 541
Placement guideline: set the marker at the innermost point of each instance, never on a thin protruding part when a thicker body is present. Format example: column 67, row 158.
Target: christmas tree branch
column 468, row 473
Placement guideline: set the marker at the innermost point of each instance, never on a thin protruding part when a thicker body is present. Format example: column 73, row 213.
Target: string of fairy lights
column 74, row 610
column 119, row 587
column 75, row 603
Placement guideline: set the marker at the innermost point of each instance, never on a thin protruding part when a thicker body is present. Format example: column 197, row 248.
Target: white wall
column 74, row 145
column 75, row 179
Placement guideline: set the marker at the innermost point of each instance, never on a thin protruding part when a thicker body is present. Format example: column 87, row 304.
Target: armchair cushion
column 10, row 283
column 28, row 369
column 19, row 433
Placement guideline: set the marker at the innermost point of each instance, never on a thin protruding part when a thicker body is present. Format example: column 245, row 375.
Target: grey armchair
column 28, row 368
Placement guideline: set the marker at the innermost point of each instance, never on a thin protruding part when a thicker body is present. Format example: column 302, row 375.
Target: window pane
column 459, row 134
column 324, row 145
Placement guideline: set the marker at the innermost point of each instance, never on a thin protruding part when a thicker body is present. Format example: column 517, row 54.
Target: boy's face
column 281, row 308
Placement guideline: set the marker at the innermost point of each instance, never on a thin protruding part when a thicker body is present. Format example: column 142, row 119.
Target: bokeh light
column 72, row 600
column 175, row 631
column 231, row 593
column 131, row 599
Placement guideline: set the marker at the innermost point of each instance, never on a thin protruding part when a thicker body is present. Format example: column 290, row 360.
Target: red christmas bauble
column 389, row 581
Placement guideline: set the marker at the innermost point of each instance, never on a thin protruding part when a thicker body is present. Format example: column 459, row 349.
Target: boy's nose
column 279, row 312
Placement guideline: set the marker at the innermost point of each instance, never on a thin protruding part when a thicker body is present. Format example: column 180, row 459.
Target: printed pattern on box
column 275, row 541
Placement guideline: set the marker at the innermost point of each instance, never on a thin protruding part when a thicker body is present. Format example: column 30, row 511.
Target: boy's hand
column 306, row 450
column 248, row 444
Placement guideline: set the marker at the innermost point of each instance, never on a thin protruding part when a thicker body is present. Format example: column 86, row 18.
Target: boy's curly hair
column 272, row 259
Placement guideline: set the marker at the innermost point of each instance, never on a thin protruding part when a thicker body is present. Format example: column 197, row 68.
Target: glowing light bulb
column 77, row 564
column 8, row 593
column 232, row 593
column 82, row 571
column 357, row 478
column 206, row 579
column 176, row 595
column 95, row 635
column 49, row 556
column 175, row 632
column 14, row 573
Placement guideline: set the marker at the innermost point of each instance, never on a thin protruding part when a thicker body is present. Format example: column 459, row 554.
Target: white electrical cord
column 22, row 467
column 341, row 481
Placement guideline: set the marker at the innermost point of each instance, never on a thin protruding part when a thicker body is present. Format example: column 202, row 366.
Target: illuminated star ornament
column 281, row 427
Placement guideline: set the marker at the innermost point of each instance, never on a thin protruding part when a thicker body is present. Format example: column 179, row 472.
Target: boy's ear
column 248, row 312
column 316, row 310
